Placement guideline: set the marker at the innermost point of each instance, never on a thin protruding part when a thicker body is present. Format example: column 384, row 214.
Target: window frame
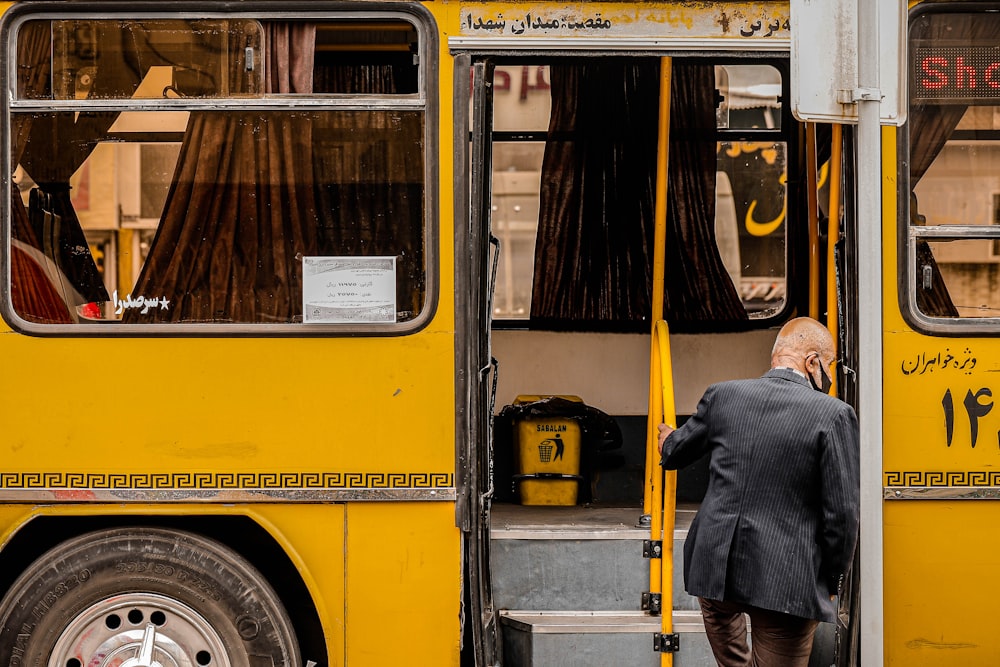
column 908, row 235
column 425, row 101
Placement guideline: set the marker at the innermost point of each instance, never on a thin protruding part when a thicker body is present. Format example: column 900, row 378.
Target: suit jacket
column 779, row 522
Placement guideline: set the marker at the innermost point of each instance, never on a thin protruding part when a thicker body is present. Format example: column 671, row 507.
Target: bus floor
column 594, row 519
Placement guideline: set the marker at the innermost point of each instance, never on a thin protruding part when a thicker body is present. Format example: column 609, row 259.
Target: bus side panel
column 403, row 584
column 941, row 588
column 940, row 437
column 221, row 406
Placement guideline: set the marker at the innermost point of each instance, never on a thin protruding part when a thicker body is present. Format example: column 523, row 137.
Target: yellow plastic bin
column 548, row 453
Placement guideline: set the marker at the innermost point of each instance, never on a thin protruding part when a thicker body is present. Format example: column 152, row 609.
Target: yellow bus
column 335, row 333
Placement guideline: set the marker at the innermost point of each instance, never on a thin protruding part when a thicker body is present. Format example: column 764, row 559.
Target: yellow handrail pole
column 654, row 485
column 661, row 378
column 832, row 236
column 659, row 253
column 662, row 337
column 659, row 261
column 812, row 197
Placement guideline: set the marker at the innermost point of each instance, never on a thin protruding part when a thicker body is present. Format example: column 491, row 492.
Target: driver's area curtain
column 594, row 248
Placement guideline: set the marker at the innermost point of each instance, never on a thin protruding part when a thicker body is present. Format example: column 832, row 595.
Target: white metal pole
column 869, row 177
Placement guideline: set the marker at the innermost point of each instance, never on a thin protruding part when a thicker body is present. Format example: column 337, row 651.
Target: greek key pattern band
column 942, row 485
column 228, row 486
column 938, row 478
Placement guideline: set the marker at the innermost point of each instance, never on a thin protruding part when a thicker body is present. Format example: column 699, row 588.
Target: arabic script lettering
column 140, row 303
column 529, row 23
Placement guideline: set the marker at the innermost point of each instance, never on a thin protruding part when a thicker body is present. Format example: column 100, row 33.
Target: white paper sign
column 338, row 290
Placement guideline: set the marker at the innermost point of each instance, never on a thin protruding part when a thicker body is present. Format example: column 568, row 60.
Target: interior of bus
column 572, row 159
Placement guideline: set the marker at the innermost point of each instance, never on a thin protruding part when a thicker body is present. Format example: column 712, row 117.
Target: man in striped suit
column 778, row 526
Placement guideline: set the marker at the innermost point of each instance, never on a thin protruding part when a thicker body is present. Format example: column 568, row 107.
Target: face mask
column 825, row 381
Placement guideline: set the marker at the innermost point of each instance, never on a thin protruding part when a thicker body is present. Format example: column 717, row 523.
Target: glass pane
column 236, row 206
column 751, row 97
column 521, row 98
column 958, row 187
column 218, row 216
column 516, row 183
column 970, row 270
column 120, row 59
column 750, row 221
column 367, row 57
column 96, row 59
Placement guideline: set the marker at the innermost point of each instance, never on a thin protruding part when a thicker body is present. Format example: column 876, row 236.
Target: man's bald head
column 798, row 339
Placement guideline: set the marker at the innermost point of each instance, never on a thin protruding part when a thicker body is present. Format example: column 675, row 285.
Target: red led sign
column 946, row 74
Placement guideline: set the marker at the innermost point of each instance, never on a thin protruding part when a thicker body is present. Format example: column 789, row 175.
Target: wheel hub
column 139, row 630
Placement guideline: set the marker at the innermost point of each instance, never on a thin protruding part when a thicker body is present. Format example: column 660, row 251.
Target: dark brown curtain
column 593, row 252
column 595, row 223
column 241, row 209
column 370, row 171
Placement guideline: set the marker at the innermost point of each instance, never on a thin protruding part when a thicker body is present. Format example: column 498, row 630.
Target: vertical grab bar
column 660, row 514
column 664, row 485
column 832, row 236
column 812, row 197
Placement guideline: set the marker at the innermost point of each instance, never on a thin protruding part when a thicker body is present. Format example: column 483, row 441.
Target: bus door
column 560, row 149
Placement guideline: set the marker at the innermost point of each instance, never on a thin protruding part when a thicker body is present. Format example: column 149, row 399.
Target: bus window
column 264, row 173
column 952, row 247
column 573, row 155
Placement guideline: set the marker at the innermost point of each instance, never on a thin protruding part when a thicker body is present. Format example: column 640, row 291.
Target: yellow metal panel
column 382, row 405
column 403, row 584
column 940, row 584
column 243, row 405
column 939, row 555
column 313, row 537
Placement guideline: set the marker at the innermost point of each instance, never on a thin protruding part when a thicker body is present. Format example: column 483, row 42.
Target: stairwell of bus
column 571, row 581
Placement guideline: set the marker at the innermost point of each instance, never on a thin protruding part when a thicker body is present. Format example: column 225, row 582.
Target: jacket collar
column 787, row 374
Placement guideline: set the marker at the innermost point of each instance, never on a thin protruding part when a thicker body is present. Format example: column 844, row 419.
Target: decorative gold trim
column 225, row 486
column 938, row 478
column 942, row 485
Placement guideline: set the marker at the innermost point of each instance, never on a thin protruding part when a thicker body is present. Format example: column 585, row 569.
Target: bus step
column 575, row 559
column 598, row 639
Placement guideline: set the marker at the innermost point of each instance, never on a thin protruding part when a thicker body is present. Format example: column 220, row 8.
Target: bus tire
column 146, row 596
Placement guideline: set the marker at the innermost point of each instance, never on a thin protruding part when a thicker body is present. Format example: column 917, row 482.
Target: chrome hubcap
column 139, row 630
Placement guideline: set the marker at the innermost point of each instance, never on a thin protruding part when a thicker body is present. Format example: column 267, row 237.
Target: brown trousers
column 779, row 640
